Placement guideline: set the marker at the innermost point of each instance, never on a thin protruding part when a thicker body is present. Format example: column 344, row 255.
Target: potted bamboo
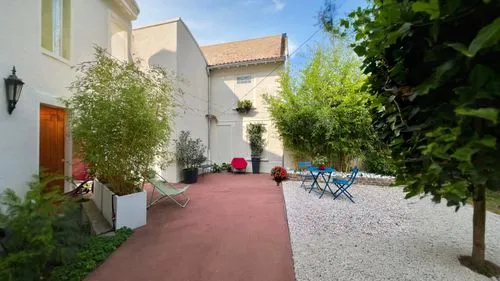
column 255, row 132
column 121, row 122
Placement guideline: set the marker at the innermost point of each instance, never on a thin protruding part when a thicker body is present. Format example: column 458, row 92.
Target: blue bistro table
column 316, row 173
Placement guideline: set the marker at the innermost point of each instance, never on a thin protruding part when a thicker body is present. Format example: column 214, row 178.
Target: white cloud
column 278, row 5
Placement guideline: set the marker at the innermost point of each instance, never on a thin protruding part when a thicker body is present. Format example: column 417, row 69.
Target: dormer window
column 244, row 79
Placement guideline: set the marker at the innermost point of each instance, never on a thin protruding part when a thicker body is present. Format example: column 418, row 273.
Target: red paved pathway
column 234, row 229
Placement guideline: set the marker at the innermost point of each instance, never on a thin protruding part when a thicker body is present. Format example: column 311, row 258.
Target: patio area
column 234, row 228
column 382, row 236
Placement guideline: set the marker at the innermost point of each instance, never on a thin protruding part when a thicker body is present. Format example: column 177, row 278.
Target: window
column 244, row 79
column 56, row 26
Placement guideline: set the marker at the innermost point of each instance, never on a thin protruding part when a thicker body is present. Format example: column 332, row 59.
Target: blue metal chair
column 303, row 172
column 344, row 184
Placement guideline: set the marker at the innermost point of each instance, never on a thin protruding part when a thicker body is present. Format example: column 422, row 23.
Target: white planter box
column 130, row 209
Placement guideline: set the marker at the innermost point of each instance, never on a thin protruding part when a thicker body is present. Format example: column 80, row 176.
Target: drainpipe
column 209, row 112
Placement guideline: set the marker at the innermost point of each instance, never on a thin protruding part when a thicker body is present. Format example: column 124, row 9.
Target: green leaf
column 487, row 36
column 435, row 79
column 344, row 23
column 462, row 49
column 464, row 153
column 488, row 141
column 402, row 31
column 431, row 8
column 481, row 75
column 488, row 113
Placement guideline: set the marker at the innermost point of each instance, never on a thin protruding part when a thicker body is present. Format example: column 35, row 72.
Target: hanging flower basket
column 244, row 106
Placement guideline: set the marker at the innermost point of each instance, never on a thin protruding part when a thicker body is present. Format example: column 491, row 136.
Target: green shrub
column 244, row 105
column 43, row 230
column 190, row 153
column 91, row 256
column 216, row 168
column 226, row 167
column 379, row 162
column 255, row 132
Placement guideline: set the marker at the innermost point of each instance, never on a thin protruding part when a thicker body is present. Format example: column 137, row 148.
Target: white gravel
column 382, row 236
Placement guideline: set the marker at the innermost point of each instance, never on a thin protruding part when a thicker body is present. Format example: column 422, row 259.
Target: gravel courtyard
column 382, row 236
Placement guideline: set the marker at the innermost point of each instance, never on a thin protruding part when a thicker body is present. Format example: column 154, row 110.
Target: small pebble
column 411, row 239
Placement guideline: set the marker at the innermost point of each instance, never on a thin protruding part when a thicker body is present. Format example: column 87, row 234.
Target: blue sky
column 217, row 21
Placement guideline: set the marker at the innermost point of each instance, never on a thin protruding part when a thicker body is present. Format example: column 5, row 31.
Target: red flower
column 279, row 173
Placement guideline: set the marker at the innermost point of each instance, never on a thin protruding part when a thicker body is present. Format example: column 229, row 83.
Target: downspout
column 209, row 117
column 287, row 57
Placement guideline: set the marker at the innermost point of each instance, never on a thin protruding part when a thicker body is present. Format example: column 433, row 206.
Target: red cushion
column 239, row 163
column 80, row 170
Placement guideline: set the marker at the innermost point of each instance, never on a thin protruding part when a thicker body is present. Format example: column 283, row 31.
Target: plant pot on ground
column 255, row 133
column 190, row 175
column 190, row 155
column 256, row 164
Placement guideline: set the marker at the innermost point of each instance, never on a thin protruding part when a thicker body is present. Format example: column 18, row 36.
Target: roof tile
column 264, row 48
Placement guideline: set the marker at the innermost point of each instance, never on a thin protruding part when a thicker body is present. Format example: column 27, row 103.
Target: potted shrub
column 279, row 174
column 190, row 155
column 244, row 106
column 255, row 133
column 121, row 123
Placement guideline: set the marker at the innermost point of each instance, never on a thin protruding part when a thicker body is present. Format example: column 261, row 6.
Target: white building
column 43, row 42
column 214, row 78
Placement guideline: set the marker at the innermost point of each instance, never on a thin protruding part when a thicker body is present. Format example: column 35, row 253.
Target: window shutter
column 47, row 25
column 66, row 34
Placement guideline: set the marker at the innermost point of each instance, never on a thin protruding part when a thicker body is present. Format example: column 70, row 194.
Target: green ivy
column 91, row 256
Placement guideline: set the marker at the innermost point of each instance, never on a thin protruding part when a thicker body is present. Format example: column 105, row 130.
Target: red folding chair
column 80, row 178
column 239, row 165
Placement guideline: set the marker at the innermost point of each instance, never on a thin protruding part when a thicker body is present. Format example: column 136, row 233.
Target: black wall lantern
column 13, row 88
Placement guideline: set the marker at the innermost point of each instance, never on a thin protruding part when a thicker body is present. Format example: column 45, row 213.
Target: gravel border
column 382, row 236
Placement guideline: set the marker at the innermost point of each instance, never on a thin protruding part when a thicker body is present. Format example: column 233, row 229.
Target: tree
column 434, row 67
column 324, row 110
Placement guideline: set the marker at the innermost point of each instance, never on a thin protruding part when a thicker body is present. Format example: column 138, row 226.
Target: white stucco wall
column 228, row 137
column 46, row 79
column 171, row 45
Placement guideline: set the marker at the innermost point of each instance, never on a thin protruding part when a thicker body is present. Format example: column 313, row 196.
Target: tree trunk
column 479, row 223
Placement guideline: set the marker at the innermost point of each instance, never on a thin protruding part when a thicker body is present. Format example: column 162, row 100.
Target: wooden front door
column 52, row 143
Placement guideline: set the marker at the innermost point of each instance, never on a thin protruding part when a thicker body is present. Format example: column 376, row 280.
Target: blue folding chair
column 303, row 172
column 344, row 184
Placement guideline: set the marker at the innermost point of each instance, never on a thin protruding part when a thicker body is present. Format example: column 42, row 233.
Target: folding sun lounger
column 167, row 190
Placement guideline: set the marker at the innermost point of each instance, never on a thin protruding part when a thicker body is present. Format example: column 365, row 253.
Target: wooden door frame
column 67, row 142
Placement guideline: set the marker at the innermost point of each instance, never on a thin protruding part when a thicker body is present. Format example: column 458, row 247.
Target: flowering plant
column 279, row 174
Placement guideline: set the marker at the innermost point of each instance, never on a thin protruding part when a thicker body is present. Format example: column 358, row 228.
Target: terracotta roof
column 251, row 50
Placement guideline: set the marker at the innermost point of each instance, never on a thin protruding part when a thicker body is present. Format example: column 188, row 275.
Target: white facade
column 47, row 75
column 214, row 91
column 228, row 135
column 171, row 45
